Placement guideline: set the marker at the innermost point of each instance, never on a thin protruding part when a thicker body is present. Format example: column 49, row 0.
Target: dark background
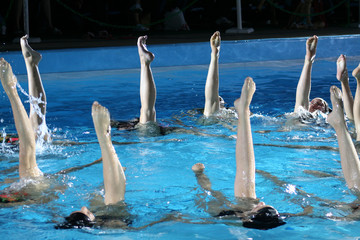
column 87, row 23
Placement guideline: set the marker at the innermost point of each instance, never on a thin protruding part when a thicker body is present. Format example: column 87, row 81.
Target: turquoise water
column 158, row 169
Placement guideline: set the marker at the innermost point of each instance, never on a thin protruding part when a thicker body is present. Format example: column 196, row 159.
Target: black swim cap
column 225, row 213
column 76, row 220
column 265, row 218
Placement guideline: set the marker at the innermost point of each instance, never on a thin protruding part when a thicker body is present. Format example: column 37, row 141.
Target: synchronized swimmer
column 253, row 214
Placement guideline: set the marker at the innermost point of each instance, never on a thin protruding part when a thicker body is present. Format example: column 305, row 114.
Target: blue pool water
column 158, row 168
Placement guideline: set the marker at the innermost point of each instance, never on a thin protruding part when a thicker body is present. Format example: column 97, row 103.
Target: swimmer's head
column 78, row 219
column 319, row 104
column 264, row 218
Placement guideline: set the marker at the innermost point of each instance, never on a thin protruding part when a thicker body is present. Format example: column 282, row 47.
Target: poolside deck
column 162, row 37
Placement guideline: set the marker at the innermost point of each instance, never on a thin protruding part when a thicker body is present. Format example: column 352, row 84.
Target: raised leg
column 212, row 103
column 27, row 157
column 349, row 159
column 36, row 89
column 304, row 84
column 244, row 186
column 147, row 84
column 356, row 108
column 114, row 176
column 343, row 77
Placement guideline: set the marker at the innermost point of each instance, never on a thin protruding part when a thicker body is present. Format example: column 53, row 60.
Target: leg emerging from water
column 114, row 176
column 356, row 109
column 147, row 84
column 349, row 158
column 36, row 89
column 244, row 186
column 343, row 77
column 212, row 103
column 304, row 84
column 27, row 158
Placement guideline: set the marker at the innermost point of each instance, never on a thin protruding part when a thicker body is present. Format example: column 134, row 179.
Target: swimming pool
column 159, row 176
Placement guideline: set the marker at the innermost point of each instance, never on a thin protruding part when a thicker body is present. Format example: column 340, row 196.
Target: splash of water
column 3, row 135
column 42, row 132
column 290, row 188
column 5, row 148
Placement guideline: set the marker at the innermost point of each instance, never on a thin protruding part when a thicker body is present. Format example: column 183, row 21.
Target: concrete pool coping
column 183, row 54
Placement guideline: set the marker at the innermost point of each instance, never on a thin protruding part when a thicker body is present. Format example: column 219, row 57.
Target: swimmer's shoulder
column 116, row 216
column 124, row 125
column 113, row 222
column 229, row 214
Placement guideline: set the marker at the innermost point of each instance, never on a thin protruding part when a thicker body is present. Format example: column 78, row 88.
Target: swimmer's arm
column 205, row 184
column 307, row 211
column 203, row 180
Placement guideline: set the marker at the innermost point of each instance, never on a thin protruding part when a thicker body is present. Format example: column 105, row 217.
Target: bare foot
column 7, row 77
column 336, row 117
column 356, row 73
column 146, row 57
column 215, row 41
column 311, row 45
column 101, row 119
column 29, row 53
column 247, row 93
column 342, row 73
column 198, row 167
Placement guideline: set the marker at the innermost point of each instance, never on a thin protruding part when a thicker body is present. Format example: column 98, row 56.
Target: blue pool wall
column 110, row 58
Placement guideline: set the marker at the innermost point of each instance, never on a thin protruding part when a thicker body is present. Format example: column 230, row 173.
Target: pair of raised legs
column 349, row 159
column 340, row 102
column 26, row 126
column 147, row 84
column 114, row 177
column 113, row 173
column 304, row 86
